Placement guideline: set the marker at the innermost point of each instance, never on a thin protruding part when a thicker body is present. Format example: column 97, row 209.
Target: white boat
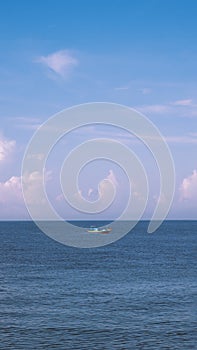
column 103, row 230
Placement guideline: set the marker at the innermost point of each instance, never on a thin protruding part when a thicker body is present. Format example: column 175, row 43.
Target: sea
column 136, row 293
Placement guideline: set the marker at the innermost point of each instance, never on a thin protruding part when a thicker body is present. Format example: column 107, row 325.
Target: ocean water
column 137, row 293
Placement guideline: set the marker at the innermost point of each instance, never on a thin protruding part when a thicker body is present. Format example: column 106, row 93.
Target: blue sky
column 56, row 54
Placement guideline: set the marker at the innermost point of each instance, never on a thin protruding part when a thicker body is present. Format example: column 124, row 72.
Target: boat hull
column 102, row 231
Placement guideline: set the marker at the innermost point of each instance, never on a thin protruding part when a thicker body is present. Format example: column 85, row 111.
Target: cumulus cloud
column 33, row 187
column 111, row 177
column 60, row 62
column 105, row 190
column 11, row 195
column 103, row 186
column 188, row 187
column 10, row 191
column 11, row 200
column 96, row 200
column 6, row 147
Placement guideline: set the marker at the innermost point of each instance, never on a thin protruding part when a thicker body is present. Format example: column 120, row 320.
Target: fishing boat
column 103, row 230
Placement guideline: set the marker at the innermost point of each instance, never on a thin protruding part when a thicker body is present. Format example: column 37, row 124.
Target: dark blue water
column 138, row 293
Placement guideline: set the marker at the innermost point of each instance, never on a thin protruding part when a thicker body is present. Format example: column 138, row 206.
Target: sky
column 58, row 54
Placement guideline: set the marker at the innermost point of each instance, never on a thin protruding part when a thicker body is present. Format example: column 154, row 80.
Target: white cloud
column 11, row 195
column 193, row 134
column 153, row 108
column 10, row 191
column 187, row 102
column 60, row 62
column 188, row 189
column 59, row 197
column 26, row 123
column 188, row 139
column 33, row 187
column 181, row 108
column 26, row 120
column 36, row 156
column 128, row 138
column 104, row 188
column 145, row 91
column 6, row 147
column 111, row 177
column 11, row 200
column 121, row 88
column 90, row 192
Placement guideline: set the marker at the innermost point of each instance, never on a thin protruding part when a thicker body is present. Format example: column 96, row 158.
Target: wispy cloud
column 187, row 102
column 157, row 108
column 26, row 123
column 60, row 62
column 121, row 88
column 182, row 108
column 188, row 139
column 127, row 138
column 145, row 91
column 134, row 86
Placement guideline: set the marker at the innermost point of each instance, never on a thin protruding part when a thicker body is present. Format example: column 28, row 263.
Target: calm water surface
column 138, row 293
